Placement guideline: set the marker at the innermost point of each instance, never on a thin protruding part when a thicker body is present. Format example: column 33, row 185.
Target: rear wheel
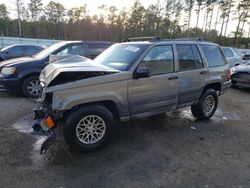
column 31, row 87
column 206, row 106
column 88, row 128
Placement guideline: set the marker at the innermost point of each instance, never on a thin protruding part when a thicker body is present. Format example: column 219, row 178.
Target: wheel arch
column 109, row 104
column 216, row 86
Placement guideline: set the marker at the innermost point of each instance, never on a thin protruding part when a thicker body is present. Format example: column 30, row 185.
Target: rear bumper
column 10, row 84
column 242, row 82
column 225, row 87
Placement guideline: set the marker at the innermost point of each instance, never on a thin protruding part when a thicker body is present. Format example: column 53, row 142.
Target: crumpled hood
column 15, row 61
column 71, row 64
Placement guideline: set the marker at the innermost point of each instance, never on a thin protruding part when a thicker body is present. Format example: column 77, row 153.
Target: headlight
column 8, row 70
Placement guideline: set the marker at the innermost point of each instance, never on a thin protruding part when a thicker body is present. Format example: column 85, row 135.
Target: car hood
column 241, row 68
column 70, row 69
column 16, row 61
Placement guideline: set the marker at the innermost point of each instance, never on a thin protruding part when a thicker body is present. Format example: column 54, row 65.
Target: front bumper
column 225, row 87
column 41, row 127
column 9, row 84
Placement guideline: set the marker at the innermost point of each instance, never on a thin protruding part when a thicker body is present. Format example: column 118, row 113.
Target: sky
column 93, row 5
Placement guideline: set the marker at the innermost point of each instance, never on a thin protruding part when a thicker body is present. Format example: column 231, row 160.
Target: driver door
column 159, row 92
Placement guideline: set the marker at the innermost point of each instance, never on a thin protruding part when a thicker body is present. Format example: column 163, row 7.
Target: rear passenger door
column 191, row 73
column 159, row 92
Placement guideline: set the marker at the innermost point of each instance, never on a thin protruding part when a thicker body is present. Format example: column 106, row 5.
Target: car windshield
column 121, row 56
column 5, row 48
column 48, row 51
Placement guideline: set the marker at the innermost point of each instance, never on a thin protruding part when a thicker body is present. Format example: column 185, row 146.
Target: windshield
column 48, row 51
column 121, row 56
column 5, row 48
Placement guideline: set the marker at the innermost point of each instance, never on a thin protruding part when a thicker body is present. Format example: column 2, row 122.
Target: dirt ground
column 170, row 151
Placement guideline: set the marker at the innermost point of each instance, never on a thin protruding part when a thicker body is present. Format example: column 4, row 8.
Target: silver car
column 234, row 57
column 128, row 81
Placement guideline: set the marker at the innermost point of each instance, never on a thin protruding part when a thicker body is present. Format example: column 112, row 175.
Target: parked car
column 19, row 50
column 233, row 56
column 127, row 81
column 246, row 57
column 22, row 74
column 240, row 75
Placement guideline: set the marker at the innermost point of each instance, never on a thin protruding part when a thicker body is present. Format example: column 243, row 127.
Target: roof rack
column 157, row 38
column 186, row 39
column 150, row 39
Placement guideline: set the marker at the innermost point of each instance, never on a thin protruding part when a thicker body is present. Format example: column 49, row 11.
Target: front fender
column 62, row 103
column 34, row 71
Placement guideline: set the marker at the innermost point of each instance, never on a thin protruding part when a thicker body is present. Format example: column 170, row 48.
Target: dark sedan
column 19, row 50
column 240, row 75
column 22, row 74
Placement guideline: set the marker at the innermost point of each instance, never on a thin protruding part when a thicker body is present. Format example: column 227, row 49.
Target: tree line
column 171, row 20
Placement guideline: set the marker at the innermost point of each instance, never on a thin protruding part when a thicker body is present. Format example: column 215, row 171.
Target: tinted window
column 31, row 50
column 228, row 52
column 74, row 50
column 197, row 57
column 185, row 57
column 16, row 50
column 159, row 60
column 213, row 55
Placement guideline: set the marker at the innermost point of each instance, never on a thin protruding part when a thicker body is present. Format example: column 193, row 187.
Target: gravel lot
column 169, row 151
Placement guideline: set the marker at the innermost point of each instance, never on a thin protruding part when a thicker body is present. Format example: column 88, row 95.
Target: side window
column 213, row 55
column 197, row 57
column 16, row 50
column 95, row 49
column 159, row 60
column 185, row 57
column 31, row 50
column 228, row 52
column 73, row 50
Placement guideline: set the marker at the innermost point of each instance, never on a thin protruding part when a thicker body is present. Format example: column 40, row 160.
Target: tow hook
column 48, row 142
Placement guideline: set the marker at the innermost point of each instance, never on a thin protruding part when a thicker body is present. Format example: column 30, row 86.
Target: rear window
column 213, row 55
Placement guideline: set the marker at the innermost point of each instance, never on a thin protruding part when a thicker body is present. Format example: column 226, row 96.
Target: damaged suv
column 86, row 99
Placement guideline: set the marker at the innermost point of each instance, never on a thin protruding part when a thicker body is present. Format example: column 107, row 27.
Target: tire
column 78, row 135
column 31, row 87
column 208, row 99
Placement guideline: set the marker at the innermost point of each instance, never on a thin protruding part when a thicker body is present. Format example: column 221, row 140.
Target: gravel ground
column 169, row 151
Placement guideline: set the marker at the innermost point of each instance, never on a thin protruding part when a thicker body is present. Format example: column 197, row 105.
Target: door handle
column 203, row 72
column 173, row 78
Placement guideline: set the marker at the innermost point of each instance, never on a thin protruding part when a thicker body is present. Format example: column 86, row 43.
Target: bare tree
column 229, row 8
column 243, row 15
column 188, row 9
column 199, row 4
column 20, row 10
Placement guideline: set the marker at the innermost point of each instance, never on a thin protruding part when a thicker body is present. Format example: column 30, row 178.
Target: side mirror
column 6, row 51
column 142, row 72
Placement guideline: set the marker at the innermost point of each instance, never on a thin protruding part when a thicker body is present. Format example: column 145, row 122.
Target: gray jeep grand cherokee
column 129, row 80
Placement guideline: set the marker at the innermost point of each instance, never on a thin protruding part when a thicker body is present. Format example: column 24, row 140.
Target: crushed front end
column 45, row 121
